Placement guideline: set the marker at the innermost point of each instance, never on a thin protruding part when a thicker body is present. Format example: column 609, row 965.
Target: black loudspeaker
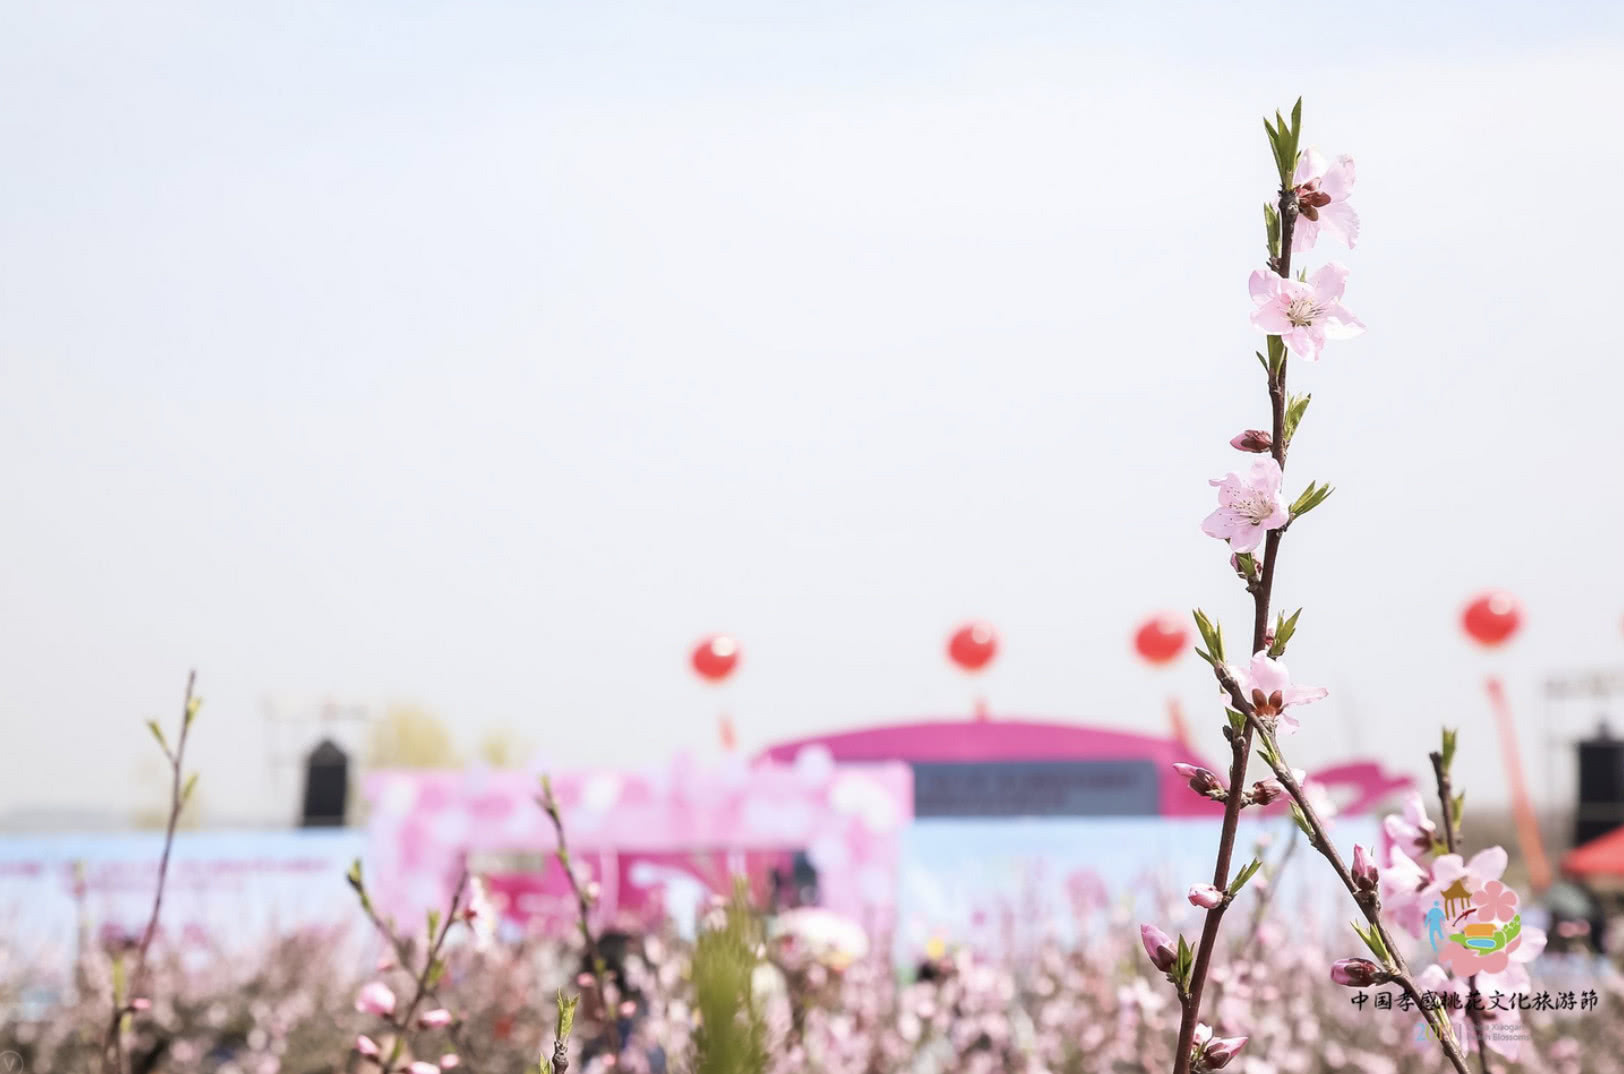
column 327, row 786
column 1600, row 808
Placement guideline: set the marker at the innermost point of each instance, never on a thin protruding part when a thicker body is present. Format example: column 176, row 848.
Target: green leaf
column 436, row 971
column 1271, row 226
column 1302, row 820
column 1277, row 355
column 434, row 924
column 1284, row 628
column 1212, row 635
column 1295, row 408
column 193, row 707
column 1237, row 720
column 566, row 1014
column 354, row 875
column 1311, row 497
column 158, row 733
column 1243, row 876
column 1373, row 941
column 1449, row 736
column 186, row 791
column 1296, row 137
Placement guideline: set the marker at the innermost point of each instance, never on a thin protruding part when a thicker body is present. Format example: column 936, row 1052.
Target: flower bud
column 435, row 1019
column 1217, row 1055
column 1265, row 791
column 1356, row 972
column 366, row 1046
column 1202, row 780
column 1256, row 441
column 450, row 1061
column 1205, row 896
column 1203, row 1033
column 376, row 998
column 1365, row 874
column 1159, row 946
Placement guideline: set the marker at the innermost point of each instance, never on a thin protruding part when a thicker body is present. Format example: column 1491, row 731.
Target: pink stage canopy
column 1026, row 768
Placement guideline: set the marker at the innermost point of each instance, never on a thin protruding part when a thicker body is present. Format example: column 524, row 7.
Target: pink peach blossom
column 438, row 1018
column 1412, row 830
column 1404, row 891
column 1323, row 186
column 1248, row 506
column 366, row 1046
column 1304, row 314
column 1205, row 896
column 1267, row 684
column 376, row 998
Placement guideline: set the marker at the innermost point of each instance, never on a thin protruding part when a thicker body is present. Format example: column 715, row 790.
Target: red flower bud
column 1202, row 780
column 1159, row 946
column 1256, row 441
column 1365, row 874
column 1356, row 972
column 1265, row 791
column 1222, row 1049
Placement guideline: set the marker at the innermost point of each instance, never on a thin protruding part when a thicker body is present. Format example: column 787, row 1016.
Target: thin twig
column 423, row 985
column 1446, row 802
column 583, row 908
column 113, row 1057
column 403, row 953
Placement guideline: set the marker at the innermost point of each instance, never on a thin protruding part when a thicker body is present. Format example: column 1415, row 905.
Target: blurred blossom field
column 291, row 1007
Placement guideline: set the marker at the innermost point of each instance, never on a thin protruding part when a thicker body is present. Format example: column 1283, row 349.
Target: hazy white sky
column 484, row 355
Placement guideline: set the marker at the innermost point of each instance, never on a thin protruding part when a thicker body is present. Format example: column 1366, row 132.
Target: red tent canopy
column 1602, row 856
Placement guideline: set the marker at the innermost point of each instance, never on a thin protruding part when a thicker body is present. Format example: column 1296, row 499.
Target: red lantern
column 1161, row 639
column 1492, row 618
column 715, row 657
column 973, row 646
